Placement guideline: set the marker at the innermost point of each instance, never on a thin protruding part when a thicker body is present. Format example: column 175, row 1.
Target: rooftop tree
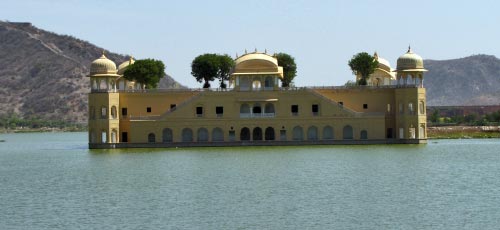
column 289, row 68
column 363, row 64
column 207, row 67
column 147, row 72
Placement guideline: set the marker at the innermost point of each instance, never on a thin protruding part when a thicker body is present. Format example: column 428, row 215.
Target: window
column 315, row 109
column 295, row 110
column 199, row 111
column 104, row 112
column 388, row 108
column 151, row 138
column 363, row 135
column 401, row 111
column 421, row 107
column 365, row 106
column 282, row 135
column 172, row 106
column 148, row 109
column 410, row 108
column 113, row 112
column 341, row 103
column 124, row 111
column 219, row 110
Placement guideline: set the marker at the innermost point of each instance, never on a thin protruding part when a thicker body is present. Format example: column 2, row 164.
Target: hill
column 473, row 80
column 42, row 74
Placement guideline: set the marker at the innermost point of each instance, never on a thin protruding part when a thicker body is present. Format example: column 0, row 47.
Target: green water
column 52, row 181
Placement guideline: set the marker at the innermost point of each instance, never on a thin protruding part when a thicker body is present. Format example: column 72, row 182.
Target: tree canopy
column 289, row 68
column 363, row 64
column 208, row 67
column 148, row 72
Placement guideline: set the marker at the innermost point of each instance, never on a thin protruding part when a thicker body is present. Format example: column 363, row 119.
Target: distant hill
column 42, row 74
column 473, row 80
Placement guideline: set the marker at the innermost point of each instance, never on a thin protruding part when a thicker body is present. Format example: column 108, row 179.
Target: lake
column 52, row 181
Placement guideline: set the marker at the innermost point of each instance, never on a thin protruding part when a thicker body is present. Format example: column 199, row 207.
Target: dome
column 410, row 61
column 122, row 67
column 257, row 63
column 102, row 66
column 382, row 63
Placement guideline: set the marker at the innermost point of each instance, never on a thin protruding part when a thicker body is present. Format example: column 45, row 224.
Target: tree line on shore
column 470, row 119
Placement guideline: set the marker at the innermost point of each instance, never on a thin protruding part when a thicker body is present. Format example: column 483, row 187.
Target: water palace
column 255, row 110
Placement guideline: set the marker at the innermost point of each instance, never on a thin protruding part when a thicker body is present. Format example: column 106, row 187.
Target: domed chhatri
column 410, row 62
column 122, row 67
column 382, row 63
column 102, row 66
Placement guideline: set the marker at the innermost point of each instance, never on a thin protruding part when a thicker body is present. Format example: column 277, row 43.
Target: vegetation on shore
column 10, row 123
column 463, row 132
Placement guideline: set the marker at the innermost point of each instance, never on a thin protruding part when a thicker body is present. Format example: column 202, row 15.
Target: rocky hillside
column 42, row 74
column 473, row 80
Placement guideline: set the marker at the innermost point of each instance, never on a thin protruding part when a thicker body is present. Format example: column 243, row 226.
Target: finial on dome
column 409, row 49
column 375, row 55
column 255, row 49
column 236, row 54
column 265, row 51
column 103, row 53
column 245, row 51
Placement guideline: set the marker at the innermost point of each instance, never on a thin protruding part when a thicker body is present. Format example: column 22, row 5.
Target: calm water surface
column 52, row 181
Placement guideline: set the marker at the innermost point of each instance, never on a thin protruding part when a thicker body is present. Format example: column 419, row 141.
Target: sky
column 322, row 35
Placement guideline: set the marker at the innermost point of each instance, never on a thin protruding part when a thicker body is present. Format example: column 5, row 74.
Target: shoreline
column 433, row 132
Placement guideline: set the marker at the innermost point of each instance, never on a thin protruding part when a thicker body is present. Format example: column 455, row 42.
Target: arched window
column 91, row 136
column 151, row 138
column 269, row 135
column 202, row 135
column 104, row 136
column 104, row 112
column 312, row 133
column 217, row 134
column 298, row 134
column 103, row 84
column 256, row 109
column 269, row 108
column 187, row 135
column 256, row 85
column 257, row 134
column 363, row 135
column 92, row 113
column 268, row 83
column 421, row 107
column 410, row 109
column 347, row 132
column 244, row 83
column 167, row 135
column 244, row 109
column 245, row 134
column 328, row 133
column 113, row 112
column 411, row 131
column 114, row 135
column 388, row 108
column 421, row 132
column 409, row 80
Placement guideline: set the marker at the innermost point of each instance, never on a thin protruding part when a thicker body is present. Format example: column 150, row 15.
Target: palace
column 255, row 110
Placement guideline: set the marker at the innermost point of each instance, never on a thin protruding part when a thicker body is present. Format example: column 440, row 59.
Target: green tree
column 225, row 65
column 207, row 67
column 148, row 72
column 289, row 68
column 363, row 64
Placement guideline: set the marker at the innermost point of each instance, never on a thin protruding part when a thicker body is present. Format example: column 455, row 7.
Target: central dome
column 410, row 61
column 122, row 67
column 102, row 66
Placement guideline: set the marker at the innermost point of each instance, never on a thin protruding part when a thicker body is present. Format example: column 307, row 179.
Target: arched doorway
column 312, row 133
column 269, row 134
column 347, row 132
column 327, row 133
column 298, row 134
column 245, row 134
column 202, row 135
column 217, row 134
column 363, row 135
column 187, row 135
column 167, row 135
column 151, row 138
column 257, row 134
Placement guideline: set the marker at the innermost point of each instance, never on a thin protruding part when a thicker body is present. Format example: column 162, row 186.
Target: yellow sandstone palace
column 255, row 110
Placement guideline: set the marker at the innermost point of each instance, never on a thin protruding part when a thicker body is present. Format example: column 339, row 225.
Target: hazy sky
column 321, row 35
